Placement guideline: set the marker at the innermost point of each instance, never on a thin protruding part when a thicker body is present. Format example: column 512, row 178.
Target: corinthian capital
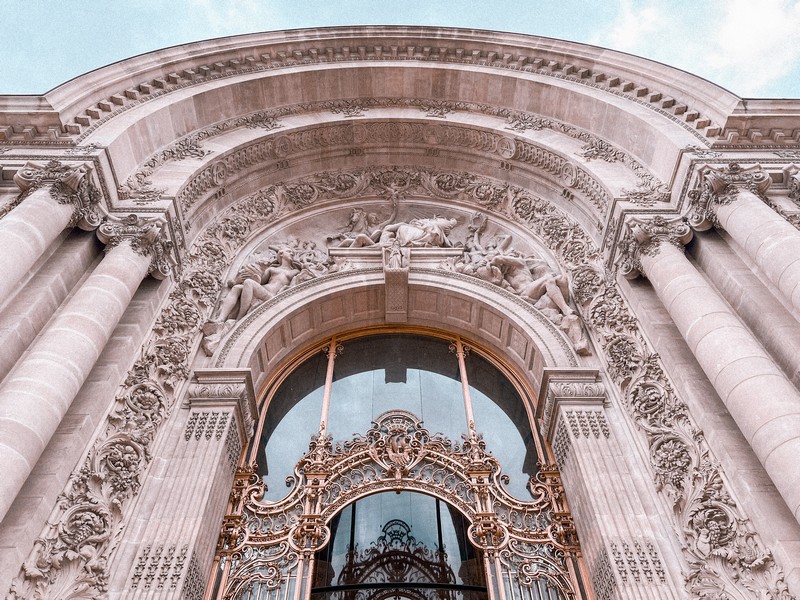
column 69, row 184
column 794, row 186
column 721, row 186
column 146, row 238
column 645, row 237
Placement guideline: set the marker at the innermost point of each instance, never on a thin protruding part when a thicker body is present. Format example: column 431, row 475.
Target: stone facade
column 176, row 228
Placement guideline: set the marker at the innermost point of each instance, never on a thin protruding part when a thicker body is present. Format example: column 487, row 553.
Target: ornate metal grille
column 267, row 550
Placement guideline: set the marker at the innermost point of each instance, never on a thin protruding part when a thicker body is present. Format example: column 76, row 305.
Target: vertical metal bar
column 332, row 350
column 461, row 350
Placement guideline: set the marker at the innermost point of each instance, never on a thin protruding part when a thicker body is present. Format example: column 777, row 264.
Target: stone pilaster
column 624, row 542
column 181, row 515
column 759, row 397
column 38, row 392
column 731, row 199
column 53, row 196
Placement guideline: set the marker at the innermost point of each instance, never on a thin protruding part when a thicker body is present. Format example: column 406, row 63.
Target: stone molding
column 687, row 477
column 522, row 55
column 567, row 387
column 557, row 167
column 648, row 191
column 68, row 184
column 146, row 237
column 645, row 237
column 721, row 185
column 222, row 389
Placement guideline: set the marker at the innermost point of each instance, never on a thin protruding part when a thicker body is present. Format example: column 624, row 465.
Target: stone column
column 37, row 393
column 729, row 199
column 54, row 196
column 625, row 545
column 175, row 551
column 759, row 397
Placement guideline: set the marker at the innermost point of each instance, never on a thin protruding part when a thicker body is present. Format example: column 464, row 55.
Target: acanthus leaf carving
column 716, row 537
column 146, row 238
column 68, row 184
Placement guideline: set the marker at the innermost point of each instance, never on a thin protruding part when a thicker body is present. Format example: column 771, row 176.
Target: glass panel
column 402, row 544
column 501, row 417
column 389, row 372
column 292, row 418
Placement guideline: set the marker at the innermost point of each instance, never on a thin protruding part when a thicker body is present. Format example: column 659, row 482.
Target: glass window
column 391, row 541
column 389, row 372
column 292, row 418
column 379, row 373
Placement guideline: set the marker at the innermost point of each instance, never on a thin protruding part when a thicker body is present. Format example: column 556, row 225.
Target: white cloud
column 743, row 45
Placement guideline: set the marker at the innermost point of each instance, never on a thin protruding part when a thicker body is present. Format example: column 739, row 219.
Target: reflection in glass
column 388, row 372
column 292, row 418
column 399, row 545
column 501, row 417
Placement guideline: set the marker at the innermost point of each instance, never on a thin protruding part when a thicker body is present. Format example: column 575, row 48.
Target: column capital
column 567, row 386
column 645, row 237
column 794, row 186
column 719, row 186
column 226, row 387
column 146, row 238
column 69, row 184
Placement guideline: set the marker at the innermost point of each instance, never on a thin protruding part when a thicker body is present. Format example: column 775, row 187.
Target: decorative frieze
column 603, row 580
column 637, row 561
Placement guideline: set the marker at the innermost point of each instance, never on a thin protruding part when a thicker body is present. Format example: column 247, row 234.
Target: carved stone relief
column 718, row 542
column 69, row 184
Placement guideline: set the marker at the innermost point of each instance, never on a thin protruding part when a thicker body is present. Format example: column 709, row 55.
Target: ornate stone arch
column 157, row 126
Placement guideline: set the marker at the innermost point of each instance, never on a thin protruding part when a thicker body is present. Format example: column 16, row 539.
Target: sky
column 750, row 47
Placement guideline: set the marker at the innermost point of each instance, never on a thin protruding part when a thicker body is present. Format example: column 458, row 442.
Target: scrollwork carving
column 68, row 184
column 721, row 186
column 145, row 238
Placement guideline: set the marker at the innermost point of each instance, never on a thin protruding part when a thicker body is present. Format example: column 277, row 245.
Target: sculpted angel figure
column 257, row 282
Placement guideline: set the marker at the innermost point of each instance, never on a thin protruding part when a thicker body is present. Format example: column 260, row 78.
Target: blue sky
column 751, row 47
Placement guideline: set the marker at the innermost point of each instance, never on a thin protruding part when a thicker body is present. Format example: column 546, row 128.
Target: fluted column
column 759, row 397
column 175, row 551
column 729, row 199
column 54, row 196
column 38, row 392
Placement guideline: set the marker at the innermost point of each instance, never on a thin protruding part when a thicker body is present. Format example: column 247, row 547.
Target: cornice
column 89, row 100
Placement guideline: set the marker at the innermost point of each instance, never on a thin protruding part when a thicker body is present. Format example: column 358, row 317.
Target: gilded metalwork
column 270, row 546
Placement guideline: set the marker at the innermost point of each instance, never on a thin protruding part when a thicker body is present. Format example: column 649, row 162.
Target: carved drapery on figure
column 716, row 537
column 526, row 275
column 721, row 186
column 270, row 545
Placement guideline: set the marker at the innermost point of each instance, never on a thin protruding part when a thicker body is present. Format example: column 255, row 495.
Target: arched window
column 410, row 459
column 374, row 374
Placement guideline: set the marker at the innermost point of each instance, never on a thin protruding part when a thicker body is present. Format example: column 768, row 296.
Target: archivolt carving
column 70, row 559
column 397, row 453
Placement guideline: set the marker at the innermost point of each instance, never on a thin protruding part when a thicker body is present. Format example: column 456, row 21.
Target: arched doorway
column 483, row 460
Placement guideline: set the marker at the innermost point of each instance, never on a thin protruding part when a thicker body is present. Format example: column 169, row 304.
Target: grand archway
column 516, row 179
